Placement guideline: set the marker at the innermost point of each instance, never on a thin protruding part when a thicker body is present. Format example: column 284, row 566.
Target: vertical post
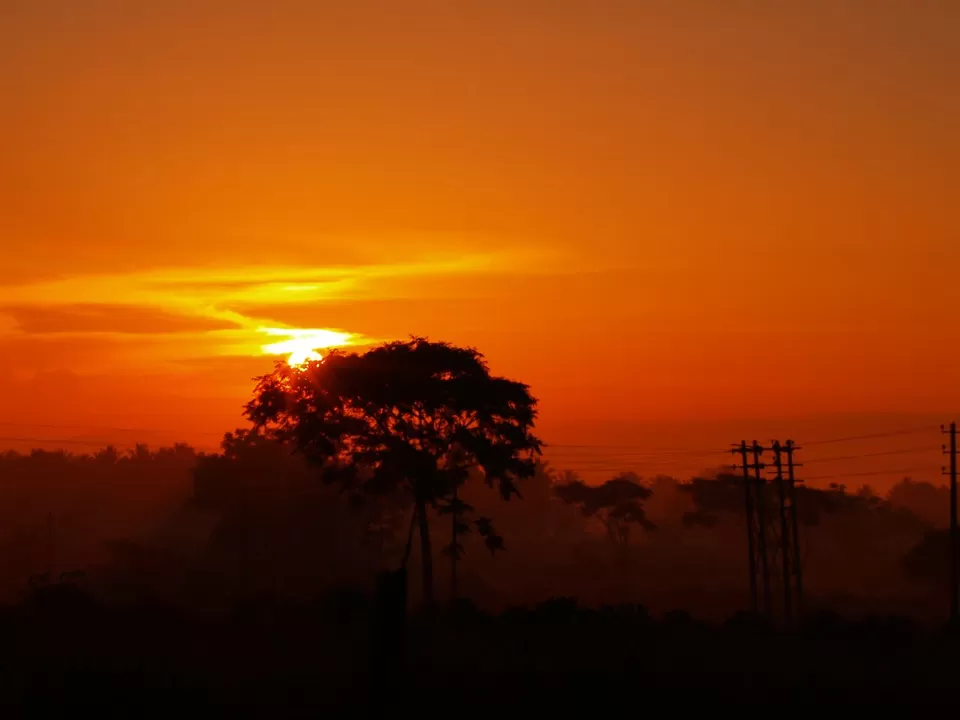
column 453, row 547
column 246, row 540
column 761, row 530
column 954, row 574
column 389, row 636
column 795, row 530
column 51, row 547
column 748, row 509
column 785, row 547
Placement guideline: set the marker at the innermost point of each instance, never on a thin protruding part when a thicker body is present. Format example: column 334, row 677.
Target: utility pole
column 762, row 528
column 789, row 449
column 954, row 575
column 754, row 500
column 792, row 569
column 749, row 515
column 785, row 545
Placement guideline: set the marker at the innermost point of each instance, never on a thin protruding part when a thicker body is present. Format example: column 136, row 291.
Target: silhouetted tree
column 415, row 415
column 617, row 504
column 565, row 477
column 713, row 497
column 928, row 562
column 923, row 499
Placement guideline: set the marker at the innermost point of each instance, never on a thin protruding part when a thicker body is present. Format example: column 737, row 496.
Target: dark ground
column 61, row 651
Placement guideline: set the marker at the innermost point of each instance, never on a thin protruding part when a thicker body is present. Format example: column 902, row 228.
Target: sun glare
column 301, row 345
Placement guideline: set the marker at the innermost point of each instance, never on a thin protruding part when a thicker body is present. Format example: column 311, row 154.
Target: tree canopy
column 414, row 415
column 618, row 503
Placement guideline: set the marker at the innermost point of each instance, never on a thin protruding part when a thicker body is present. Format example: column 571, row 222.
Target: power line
column 639, row 450
column 632, row 456
column 631, row 448
column 60, row 426
column 635, row 456
column 637, row 460
column 634, row 449
column 627, row 446
column 873, row 436
column 55, row 441
column 839, row 458
column 610, row 469
column 677, row 473
column 72, row 441
column 649, row 458
column 864, row 474
column 604, row 461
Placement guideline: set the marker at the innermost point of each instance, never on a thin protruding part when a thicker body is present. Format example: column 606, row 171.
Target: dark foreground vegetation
column 61, row 650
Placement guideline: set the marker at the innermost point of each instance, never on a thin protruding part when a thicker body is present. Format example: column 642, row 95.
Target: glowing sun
column 301, row 345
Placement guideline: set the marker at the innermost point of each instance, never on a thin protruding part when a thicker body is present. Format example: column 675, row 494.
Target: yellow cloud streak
column 223, row 293
column 225, row 287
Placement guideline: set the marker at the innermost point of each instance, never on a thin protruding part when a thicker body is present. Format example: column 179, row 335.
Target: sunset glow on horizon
column 649, row 211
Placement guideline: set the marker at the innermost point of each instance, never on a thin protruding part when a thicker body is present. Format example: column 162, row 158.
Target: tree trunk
column 426, row 554
column 409, row 546
column 453, row 550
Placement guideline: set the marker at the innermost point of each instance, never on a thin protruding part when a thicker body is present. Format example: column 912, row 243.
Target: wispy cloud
column 202, row 311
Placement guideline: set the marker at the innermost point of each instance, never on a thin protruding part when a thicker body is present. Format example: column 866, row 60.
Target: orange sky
column 650, row 211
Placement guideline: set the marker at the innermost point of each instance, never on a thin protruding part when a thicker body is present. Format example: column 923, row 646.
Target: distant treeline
column 206, row 530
